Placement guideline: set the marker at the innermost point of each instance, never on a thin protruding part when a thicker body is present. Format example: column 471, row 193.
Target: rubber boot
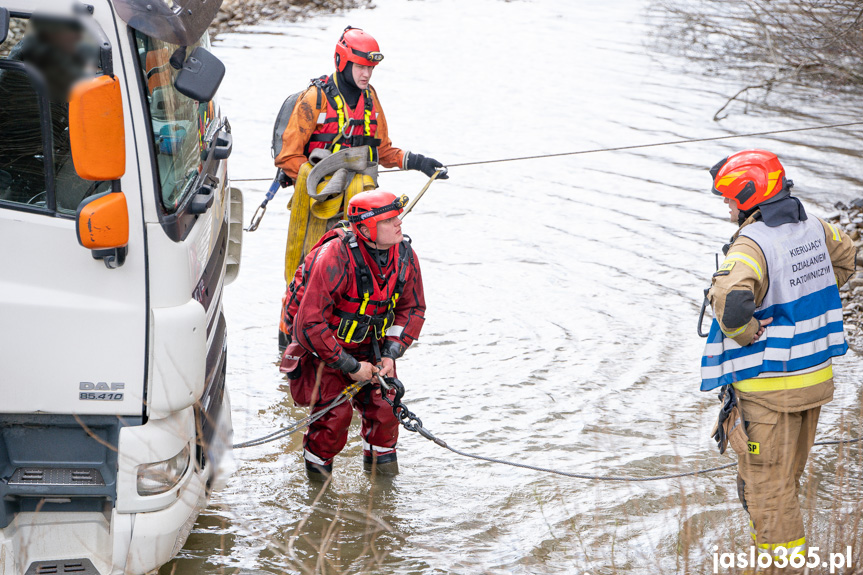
column 385, row 464
column 316, row 472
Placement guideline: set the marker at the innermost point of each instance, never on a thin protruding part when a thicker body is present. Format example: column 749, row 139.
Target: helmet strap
column 367, row 239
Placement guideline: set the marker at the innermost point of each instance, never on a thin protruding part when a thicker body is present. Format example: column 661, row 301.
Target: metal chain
column 411, row 422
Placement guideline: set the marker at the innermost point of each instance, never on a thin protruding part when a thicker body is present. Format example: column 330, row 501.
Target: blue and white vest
column 802, row 298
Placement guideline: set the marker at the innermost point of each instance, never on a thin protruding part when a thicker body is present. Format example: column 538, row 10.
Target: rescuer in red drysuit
column 357, row 303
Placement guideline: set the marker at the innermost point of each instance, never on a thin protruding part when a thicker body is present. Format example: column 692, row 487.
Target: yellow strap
column 351, row 332
column 748, row 260
column 340, row 110
column 786, row 382
column 355, row 323
column 368, row 125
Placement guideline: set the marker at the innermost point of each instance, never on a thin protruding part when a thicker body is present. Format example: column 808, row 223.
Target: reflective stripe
column 777, row 354
column 812, row 369
column 377, row 448
column 736, row 332
column 312, row 458
column 796, row 547
column 395, row 331
column 748, row 260
column 785, row 382
column 781, row 331
column 836, row 236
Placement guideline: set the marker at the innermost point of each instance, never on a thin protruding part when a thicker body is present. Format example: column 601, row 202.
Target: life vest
column 340, row 127
column 367, row 306
column 803, row 300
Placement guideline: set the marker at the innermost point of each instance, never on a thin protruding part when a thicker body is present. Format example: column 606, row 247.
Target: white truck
column 118, row 232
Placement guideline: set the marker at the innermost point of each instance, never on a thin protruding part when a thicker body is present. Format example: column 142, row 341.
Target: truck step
column 65, row 566
column 56, row 476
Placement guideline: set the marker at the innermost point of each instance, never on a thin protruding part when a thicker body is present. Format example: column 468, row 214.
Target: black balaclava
column 783, row 209
column 381, row 257
column 350, row 91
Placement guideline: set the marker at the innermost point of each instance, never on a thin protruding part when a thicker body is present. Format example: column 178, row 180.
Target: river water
column 562, row 301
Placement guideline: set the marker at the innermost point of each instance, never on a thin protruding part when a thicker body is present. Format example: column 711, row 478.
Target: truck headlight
column 162, row 476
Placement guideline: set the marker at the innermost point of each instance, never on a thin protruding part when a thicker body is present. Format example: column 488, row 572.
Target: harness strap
column 344, row 119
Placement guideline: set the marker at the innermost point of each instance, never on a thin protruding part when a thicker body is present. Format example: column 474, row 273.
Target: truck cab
column 118, row 232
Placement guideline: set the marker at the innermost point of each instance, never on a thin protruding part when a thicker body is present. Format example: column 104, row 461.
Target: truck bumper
column 116, row 544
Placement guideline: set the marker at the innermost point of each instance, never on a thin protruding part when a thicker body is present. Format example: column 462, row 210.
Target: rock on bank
column 235, row 13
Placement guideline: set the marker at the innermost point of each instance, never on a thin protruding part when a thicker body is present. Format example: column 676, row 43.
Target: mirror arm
column 106, row 57
column 113, row 257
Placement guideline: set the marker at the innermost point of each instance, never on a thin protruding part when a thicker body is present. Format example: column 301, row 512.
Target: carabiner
column 257, row 217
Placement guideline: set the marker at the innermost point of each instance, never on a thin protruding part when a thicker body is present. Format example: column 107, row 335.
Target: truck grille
column 56, row 476
column 70, row 566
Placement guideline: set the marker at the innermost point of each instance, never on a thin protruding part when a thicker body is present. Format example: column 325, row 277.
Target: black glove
column 425, row 165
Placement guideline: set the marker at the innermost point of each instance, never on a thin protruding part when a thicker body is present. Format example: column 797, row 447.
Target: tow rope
column 410, row 421
column 346, row 395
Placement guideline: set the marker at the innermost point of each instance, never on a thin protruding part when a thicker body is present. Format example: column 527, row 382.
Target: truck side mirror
column 200, row 75
column 102, row 225
column 4, row 24
column 96, row 131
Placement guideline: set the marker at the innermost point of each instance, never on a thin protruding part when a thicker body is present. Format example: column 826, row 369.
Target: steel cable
column 308, row 420
column 428, row 435
column 621, row 148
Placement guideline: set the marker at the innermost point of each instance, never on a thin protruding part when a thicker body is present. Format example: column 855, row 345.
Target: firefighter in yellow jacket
column 778, row 325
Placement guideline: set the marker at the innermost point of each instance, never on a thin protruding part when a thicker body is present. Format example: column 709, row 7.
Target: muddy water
column 562, row 301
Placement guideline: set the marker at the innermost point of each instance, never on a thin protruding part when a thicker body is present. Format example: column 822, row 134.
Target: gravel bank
column 850, row 218
column 235, row 13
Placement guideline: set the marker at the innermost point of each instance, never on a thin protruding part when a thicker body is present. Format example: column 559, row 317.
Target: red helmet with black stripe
column 369, row 208
column 358, row 47
column 750, row 177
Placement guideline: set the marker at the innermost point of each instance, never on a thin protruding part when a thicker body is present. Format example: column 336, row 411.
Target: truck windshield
column 180, row 125
column 39, row 63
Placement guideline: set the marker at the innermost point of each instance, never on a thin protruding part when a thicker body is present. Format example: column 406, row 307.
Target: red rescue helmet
column 751, row 177
column 369, row 208
column 358, row 47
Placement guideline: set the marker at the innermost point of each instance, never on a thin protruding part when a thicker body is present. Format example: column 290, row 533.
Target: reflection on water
column 562, row 298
